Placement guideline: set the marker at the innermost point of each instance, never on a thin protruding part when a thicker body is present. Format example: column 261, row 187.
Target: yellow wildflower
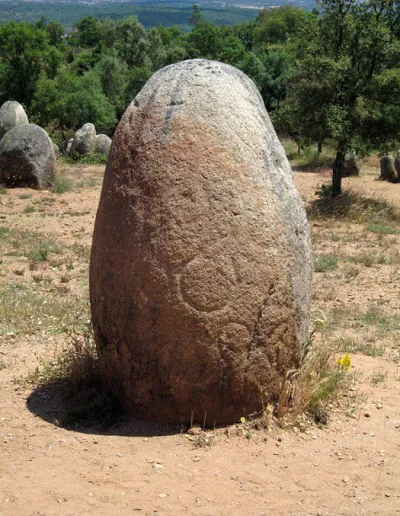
column 243, row 420
column 344, row 362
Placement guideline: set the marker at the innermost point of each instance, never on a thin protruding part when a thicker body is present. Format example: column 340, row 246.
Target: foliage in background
column 333, row 75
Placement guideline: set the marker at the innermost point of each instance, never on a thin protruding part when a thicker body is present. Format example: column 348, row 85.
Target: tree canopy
column 329, row 75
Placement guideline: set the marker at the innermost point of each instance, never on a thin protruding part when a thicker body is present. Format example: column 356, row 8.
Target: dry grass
column 74, row 374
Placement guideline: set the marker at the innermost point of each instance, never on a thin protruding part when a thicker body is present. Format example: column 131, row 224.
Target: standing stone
column 201, row 266
column 397, row 165
column 388, row 172
column 12, row 114
column 68, row 147
column 351, row 166
column 27, row 157
column 84, row 141
column 103, row 144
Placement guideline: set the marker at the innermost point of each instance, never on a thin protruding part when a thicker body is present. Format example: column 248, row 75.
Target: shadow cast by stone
column 90, row 411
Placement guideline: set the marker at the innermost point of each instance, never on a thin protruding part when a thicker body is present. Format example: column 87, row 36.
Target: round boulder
column 201, row 267
column 84, row 141
column 351, row 166
column 12, row 114
column 27, row 157
column 103, row 144
column 388, row 172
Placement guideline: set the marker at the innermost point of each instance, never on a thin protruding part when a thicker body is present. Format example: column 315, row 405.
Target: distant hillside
column 150, row 15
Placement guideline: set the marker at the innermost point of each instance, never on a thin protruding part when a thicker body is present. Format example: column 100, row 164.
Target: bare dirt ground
column 351, row 466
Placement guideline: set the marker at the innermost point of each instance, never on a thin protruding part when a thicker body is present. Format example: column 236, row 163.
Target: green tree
column 24, row 53
column 342, row 78
column 70, row 101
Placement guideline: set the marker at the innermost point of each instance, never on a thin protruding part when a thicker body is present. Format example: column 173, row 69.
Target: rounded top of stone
column 26, row 136
column 12, row 114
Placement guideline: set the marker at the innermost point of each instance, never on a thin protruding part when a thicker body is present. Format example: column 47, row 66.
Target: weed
column 203, row 440
column 380, row 229
column 82, row 251
column 2, row 365
column 3, row 190
column 29, row 209
column 384, row 323
column 350, row 272
column 40, row 252
column 366, row 348
column 366, row 258
column 377, row 378
column 75, row 372
column 325, row 263
column 62, row 184
column 25, row 196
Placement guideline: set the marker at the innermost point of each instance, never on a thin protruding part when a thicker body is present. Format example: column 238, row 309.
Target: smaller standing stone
column 103, row 144
column 388, row 172
column 68, row 147
column 397, row 165
column 351, row 166
column 12, row 114
column 27, row 157
column 84, row 141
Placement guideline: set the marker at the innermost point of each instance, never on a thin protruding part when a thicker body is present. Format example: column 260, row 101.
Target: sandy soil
column 351, row 466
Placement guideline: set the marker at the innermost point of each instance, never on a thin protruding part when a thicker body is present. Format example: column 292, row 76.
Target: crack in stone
column 256, row 327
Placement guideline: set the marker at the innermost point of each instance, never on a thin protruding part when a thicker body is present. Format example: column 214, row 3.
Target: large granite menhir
column 201, row 266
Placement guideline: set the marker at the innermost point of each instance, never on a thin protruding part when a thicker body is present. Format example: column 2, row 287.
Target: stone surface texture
column 103, row 144
column 12, row 114
column 201, row 265
column 388, row 171
column 27, row 157
column 84, row 141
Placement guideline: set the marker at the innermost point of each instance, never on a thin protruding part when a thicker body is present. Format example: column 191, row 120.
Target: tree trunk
column 338, row 166
column 319, row 147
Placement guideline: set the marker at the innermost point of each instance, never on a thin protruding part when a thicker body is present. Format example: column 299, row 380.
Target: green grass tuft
column 325, row 263
column 382, row 230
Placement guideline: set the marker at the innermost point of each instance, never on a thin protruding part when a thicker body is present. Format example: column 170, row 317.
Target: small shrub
column 62, row 184
column 380, row 229
column 92, row 159
column 25, row 196
column 325, row 263
column 366, row 258
column 3, row 190
column 29, row 209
